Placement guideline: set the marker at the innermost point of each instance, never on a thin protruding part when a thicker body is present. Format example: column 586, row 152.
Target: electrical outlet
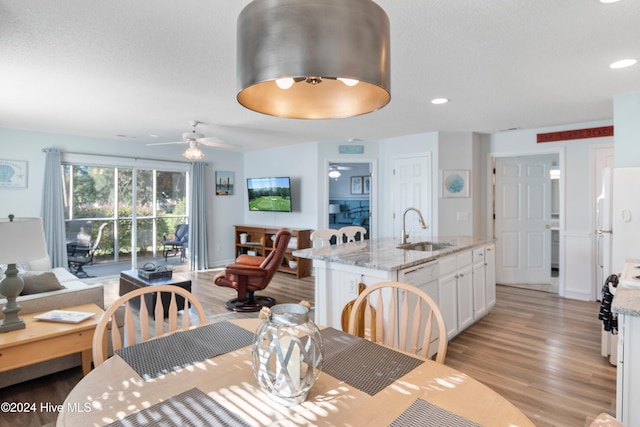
column 353, row 287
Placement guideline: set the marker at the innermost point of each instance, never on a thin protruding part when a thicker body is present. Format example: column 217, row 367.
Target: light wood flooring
column 539, row 351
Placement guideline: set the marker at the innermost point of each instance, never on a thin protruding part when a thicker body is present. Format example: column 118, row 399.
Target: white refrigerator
column 604, row 243
column 625, row 217
column 626, row 245
column 604, row 230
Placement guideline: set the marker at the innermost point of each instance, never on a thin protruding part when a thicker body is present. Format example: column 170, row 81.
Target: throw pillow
column 36, row 282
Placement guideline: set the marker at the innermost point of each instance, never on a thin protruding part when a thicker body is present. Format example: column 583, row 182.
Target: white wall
column 456, row 214
column 627, row 155
column 626, row 113
column 300, row 163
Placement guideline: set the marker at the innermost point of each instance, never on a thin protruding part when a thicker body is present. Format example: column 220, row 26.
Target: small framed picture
column 356, row 185
column 224, row 183
column 366, row 185
column 13, row 173
column 455, row 183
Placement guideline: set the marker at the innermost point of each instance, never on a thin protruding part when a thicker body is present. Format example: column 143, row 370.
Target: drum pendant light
column 320, row 59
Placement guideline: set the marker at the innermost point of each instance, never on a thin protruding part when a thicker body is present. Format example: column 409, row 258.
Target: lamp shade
column 22, row 240
column 331, row 58
column 334, row 208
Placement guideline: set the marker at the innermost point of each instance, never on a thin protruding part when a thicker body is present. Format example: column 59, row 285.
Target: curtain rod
column 44, row 150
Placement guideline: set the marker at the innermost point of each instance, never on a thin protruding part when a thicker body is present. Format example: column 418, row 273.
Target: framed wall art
column 356, row 185
column 224, row 183
column 455, row 183
column 366, row 185
column 13, row 173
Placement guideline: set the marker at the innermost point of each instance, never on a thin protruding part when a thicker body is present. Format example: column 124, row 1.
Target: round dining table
column 114, row 392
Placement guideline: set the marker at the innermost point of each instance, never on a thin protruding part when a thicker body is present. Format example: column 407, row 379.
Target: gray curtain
column 53, row 209
column 198, row 254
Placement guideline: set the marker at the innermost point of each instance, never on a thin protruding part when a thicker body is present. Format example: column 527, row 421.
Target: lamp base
column 10, row 287
column 8, row 327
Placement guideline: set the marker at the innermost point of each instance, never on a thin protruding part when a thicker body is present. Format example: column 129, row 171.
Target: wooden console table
column 259, row 242
column 43, row 340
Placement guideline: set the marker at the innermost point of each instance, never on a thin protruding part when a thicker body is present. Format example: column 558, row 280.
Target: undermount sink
column 425, row 246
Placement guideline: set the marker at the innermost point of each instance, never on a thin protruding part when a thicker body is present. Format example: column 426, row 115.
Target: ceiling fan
column 195, row 139
column 335, row 168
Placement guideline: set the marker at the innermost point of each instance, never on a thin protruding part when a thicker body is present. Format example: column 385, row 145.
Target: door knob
column 547, row 226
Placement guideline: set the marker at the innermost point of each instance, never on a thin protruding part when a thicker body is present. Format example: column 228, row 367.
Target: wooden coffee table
column 129, row 281
column 44, row 340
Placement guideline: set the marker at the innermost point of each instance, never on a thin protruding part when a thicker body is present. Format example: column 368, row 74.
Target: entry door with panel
column 522, row 220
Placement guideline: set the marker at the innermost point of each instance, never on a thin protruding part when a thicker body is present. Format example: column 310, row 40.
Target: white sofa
column 75, row 292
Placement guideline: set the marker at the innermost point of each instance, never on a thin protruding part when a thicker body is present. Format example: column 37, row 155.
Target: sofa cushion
column 36, row 282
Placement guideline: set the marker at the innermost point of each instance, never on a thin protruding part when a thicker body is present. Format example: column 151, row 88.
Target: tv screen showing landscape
column 269, row 194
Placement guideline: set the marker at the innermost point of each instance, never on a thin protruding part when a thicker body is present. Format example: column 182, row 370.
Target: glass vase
column 287, row 353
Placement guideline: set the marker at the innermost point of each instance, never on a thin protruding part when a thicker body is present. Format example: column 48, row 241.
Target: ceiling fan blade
column 215, row 142
column 168, row 143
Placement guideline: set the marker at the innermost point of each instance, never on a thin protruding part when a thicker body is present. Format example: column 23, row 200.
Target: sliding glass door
column 140, row 205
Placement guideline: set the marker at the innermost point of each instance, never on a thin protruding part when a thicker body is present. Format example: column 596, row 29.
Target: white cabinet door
column 490, row 275
column 465, row 298
column 479, row 284
column 479, row 291
column 628, row 385
column 448, row 302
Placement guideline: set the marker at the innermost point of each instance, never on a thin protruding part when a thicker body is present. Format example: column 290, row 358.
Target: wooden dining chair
column 351, row 233
column 605, row 420
column 406, row 318
column 136, row 323
column 323, row 236
column 361, row 325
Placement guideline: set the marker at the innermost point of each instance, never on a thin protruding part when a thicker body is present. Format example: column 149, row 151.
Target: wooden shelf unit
column 260, row 243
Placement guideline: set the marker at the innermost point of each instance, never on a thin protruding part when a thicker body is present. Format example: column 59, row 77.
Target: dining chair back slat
column 406, row 318
column 142, row 318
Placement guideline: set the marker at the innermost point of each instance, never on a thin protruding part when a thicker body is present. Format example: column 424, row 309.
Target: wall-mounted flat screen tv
column 269, row 194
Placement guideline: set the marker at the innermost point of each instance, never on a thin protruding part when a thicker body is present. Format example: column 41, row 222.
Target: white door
column 603, row 183
column 523, row 220
column 412, row 188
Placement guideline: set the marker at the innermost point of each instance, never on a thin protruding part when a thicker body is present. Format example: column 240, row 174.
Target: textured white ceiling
column 120, row 67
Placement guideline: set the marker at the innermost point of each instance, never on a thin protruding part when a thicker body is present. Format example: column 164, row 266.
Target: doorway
column 349, row 186
column 526, row 212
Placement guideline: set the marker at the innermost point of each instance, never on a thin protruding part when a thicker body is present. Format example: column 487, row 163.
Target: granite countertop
column 627, row 293
column 384, row 254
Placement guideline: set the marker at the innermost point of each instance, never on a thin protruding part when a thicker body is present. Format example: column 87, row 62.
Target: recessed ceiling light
column 439, row 101
column 623, row 63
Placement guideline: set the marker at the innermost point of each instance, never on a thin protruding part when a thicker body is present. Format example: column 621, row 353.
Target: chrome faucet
column 405, row 235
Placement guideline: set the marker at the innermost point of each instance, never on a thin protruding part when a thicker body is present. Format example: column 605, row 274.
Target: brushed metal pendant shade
column 316, row 45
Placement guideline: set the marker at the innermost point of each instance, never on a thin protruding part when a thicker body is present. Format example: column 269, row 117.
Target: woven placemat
column 159, row 356
column 362, row 364
column 191, row 408
column 335, row 341
column 423, row 414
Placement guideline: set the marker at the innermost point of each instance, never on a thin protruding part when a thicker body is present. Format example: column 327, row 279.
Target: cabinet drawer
column 420, row 274
column 478, row 255
column 463, row 258
column 447, row 265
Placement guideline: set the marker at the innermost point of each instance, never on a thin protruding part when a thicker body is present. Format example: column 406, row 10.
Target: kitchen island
column 457, row 272
column 626, row 304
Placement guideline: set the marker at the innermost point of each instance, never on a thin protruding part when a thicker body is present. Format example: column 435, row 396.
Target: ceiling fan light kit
column 193, row 152
column 321, row 59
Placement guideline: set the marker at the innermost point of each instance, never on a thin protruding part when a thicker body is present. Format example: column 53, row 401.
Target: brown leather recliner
column 251, row 273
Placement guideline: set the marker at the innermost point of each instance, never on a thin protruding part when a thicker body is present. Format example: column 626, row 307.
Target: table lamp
column 334, row 208
column 22, row 240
